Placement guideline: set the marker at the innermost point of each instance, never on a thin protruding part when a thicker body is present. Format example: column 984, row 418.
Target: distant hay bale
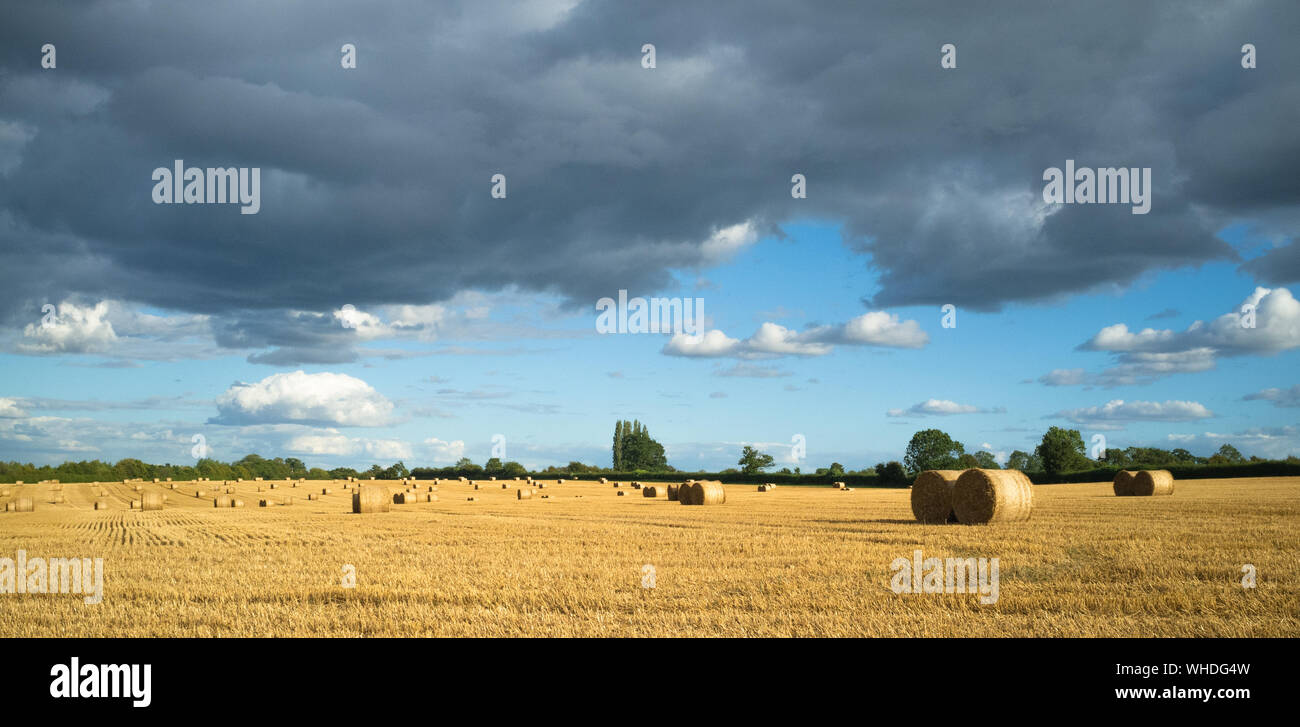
column 1123, row 485
column 258, row 479
column 101, row 504
column 138, row 488
column 559, row 482
column 504, row 486
column 674, row 491
column 433, row 488
column 605, row 481
column 618, row 484
column 326, row 491
column 471, row 498
column 312, row 496
column 649, row 491
column 287, row 501
column 263, row 503
column 621, row 493
column 403, row 498
column 1153, row 482
column 494, row 479
column 151, row 501
column 932, row 496
column 236, row 503
column 704, row 492
column 57, row 499
column 171, row 485
column 221, row 501
column 476, row 487
column 198, row 493
column 135, row 505
column 273, row 485
column 370, row 498
column 838, row 485
column 23, row 504
column 430, row 497
column 540, row 485
column 524, row 493
column 986, row 496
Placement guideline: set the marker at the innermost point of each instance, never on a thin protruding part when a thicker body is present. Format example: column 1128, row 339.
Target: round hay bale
column 287, row 501
column 649, row 491
column 236, row 503
column 559, row 482
column 57, row 499
column 312, row 496
column 621, row 493
column 24, row 504
column 197, row 493
column 540, row 485
column 673, row 492
column 138, row 488
column 403, row 498
column 326, row 491
column 171, row 485
column 151, row 501
column 524, row 493
column 370, row 498
column 476, row 487
column 101, row 504
column 263, row 503
column 135, row 505
column 1123, row 484
column 704, row 492
column 430, row 497
column 221, row 501
column 504, row 486
column 1153, row 482
column 932, row 496
column 987, row 496
column 471, row 498
column 273, row 485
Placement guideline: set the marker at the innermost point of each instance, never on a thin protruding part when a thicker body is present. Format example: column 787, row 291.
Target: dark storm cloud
column 375, row 181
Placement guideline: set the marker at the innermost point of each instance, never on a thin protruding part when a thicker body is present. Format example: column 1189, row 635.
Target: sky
column 387, row 302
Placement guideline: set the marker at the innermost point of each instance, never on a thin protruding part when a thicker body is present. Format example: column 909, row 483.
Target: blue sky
column 554, row 395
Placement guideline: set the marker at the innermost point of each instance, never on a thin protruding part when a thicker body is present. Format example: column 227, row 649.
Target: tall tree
column 932, row 449
column 618, row 446
column 1062, row 450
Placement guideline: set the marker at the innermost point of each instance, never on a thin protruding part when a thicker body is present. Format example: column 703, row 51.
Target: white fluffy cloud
column 299, row 397
column 939, row 407
column 773, row 340
column 445, row 452
column 9, row 409
column 1146, row 355
column 1117, row 411
column 332, row 443
column 70, row 328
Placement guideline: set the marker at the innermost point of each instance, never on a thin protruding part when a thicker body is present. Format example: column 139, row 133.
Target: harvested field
column 796, row 561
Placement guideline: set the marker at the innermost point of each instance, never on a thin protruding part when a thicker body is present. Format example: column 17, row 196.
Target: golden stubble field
column 795, row 562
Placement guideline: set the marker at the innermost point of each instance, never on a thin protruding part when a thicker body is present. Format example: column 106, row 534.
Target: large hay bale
column 151, row 501
column 1153, row 482
column 674, row 491
column 221, row 501
column 101, row 504
column 987, row 496
column 370, row 498
column 650, row 491
column 704, row 492
column 1123, row 485
column 24, row 504
column 524, row 493
column 932, row 496
column 403, row 498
